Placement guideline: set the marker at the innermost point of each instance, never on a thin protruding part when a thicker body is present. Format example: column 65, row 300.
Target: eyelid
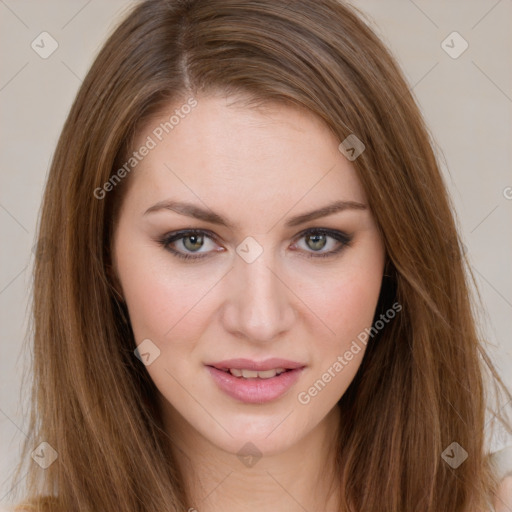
column 341, row 237
column 334, row 233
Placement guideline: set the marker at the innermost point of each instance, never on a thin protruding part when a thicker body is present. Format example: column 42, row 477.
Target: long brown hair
column 423, row 381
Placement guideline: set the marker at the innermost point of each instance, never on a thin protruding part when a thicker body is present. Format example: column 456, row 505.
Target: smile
column 253, row 374
column 252, row 386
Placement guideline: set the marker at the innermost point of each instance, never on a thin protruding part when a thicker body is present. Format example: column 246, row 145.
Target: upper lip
column 249, row 364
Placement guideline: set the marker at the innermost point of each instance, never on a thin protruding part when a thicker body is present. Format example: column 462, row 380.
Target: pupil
column 318, row 241
column 198, row 242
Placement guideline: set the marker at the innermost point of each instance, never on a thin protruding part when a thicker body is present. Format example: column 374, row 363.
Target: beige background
column 467, row 103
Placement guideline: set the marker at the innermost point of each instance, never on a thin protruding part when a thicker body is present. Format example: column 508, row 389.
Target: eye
column 318, row 239
column 188, row 244
column 188, row 240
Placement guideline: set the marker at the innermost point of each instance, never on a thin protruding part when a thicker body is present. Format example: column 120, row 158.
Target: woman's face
column 266, row 277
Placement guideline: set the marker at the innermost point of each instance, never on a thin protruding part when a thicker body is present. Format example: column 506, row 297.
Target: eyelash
column 344, row 238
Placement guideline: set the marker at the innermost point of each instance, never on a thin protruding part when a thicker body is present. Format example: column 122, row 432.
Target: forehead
column 223, row 152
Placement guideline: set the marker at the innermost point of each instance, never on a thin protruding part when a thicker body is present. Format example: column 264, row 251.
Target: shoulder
column 503, row 499
column 15, row 508
column 41, row 504
column 502, row 462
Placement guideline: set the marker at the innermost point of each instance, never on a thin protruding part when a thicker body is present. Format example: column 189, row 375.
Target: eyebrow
column 197, row 212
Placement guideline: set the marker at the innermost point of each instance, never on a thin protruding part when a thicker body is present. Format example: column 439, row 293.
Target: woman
column 252, row 293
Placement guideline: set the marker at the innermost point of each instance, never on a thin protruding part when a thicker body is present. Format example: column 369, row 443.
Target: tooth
column 249, row 374
column 252, row 374
column 267, row 374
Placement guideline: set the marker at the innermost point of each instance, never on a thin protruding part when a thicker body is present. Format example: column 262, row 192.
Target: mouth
column 244, row 373
column 255, row 382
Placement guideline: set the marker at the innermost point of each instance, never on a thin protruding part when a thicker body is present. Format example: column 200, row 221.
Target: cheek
column 348, row 307
column 162, row 302
column 345, row 303
column 350, row 304
column 164, row 310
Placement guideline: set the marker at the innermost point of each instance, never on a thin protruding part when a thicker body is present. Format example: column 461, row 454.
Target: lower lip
column 255, row 391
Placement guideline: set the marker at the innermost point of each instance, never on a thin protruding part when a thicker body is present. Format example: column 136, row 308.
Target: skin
column 503, row 500
column 257, row 168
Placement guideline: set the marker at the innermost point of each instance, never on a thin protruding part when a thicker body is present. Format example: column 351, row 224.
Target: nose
column 259, row 305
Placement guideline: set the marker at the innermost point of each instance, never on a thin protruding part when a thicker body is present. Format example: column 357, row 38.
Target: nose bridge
column 260, row 306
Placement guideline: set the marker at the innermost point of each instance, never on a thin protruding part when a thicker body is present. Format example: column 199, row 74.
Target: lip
column 256, row 391
column 249, row 364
